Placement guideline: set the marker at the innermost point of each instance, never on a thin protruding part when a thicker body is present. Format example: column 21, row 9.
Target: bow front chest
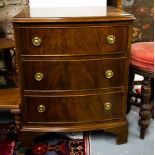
column 73, row 73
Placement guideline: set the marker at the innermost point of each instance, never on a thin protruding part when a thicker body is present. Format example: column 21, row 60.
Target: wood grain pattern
column 73, row 57
column 75, row 109
column 83, row 40
column 74, row 74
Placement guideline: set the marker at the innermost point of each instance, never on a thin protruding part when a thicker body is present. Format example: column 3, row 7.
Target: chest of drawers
column 73, row 73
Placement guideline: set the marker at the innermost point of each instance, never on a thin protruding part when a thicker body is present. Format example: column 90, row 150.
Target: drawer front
column 86, row 108
column 74, row 40
column 74, row 74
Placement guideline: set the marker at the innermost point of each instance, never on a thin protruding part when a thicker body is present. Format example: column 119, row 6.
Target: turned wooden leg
column 17, row 114
column 152, row 96
column 145, row 111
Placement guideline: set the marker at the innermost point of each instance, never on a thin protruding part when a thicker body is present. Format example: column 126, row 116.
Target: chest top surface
column 68, row 15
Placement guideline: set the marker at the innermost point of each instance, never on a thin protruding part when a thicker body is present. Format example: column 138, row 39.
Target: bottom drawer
column 84, row 108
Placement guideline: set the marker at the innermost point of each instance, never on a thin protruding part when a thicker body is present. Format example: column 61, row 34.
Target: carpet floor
column 48, row 144
column 105, row 144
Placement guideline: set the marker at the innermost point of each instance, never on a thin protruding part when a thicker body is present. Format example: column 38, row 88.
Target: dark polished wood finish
column 94, row 40
column 87, row 108
column 73, row 73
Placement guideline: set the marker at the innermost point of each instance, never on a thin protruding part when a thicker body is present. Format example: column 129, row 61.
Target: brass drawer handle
column 41, row 108
column 39, row 76
column 111, row 39
column 36, row 41
column 107, row 106
column 109, row 74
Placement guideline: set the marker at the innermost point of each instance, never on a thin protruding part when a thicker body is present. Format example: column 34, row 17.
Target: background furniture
column 6, row 45
column 143, row 31
column 10, row 101
column 142, row 63
column 69, row 71
column 9, row 95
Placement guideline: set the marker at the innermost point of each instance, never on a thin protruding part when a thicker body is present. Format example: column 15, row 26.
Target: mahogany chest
column 73, row 73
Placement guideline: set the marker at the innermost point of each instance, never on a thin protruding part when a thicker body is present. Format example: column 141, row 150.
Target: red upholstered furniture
column 142, row 55
column 142, row 63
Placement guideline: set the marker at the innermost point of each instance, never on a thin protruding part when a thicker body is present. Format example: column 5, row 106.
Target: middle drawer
column 74, row 74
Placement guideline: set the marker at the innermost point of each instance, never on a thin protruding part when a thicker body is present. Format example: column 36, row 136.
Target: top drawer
column 85, row 40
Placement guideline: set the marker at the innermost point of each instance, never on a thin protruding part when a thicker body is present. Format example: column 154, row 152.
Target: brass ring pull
column 41, row 108
column 39, row 76
column 36, row 41
column 107, row 106
column 111, row 39
column 109, row 74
